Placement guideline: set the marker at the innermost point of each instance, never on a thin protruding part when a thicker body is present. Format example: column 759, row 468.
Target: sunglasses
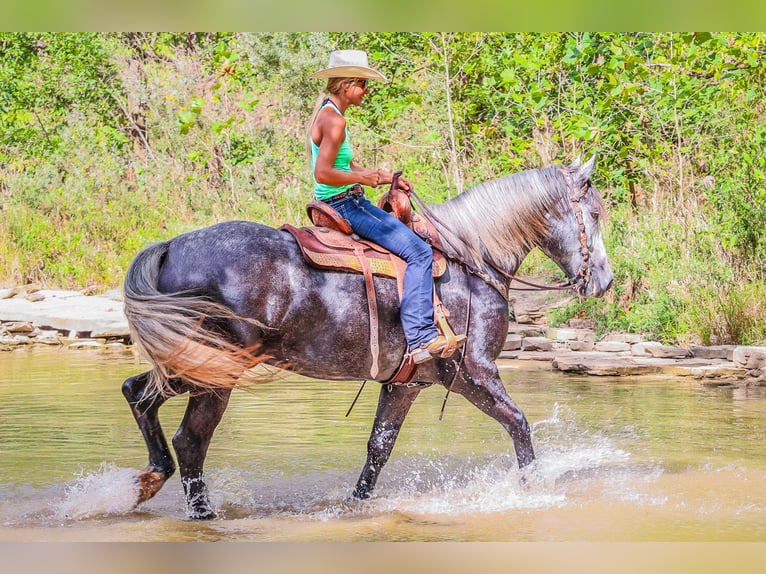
column 361, row 83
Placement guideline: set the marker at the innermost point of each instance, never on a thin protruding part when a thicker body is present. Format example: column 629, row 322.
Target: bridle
column 578, row 283
column 582, row 278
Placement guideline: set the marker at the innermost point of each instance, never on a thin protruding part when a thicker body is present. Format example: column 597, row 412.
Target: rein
column 577, row 284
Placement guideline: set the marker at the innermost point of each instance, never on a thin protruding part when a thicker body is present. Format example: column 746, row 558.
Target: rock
column 749, row 357
column 559, row 334
column 623, row 338
column 585, row 335
column 69, row 311
column 582, row 346
column 607, row 364
column 536, row 344
column 512, row 342
column 18, row 327
column 715, row 352
column 49, row 339
column 525, row 330
column 641, row 349
column 34, row 297
column 665, row 352
column 547, row 356
column 725, row 371
column 612, row 347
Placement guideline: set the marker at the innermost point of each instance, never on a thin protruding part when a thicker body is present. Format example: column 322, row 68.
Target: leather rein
column 578, row 283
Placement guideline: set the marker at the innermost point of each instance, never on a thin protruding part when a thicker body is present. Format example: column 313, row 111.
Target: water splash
column 108, row 491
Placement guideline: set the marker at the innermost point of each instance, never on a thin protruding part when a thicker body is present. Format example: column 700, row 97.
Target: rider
column 338, row 181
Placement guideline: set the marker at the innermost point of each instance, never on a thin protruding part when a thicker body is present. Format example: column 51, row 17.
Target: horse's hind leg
column 485, row 390
column 394, row 403
column 145, row 411
column 203, row 413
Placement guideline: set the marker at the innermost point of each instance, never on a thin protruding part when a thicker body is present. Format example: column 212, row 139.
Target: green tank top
column 342, row 162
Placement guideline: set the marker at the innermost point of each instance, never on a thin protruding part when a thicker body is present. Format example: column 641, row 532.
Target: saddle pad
column 329, row 249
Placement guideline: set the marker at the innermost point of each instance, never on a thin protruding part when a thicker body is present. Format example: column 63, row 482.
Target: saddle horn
column 397, row 202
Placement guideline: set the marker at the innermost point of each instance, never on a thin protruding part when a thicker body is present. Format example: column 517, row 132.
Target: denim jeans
column 372, row 223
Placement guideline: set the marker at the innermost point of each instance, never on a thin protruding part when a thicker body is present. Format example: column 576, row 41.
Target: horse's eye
column 595, row 214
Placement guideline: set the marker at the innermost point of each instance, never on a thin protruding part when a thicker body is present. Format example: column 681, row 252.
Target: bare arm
column 328, row 132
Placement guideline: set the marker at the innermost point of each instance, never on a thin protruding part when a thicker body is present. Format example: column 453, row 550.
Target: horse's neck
column 466, row 244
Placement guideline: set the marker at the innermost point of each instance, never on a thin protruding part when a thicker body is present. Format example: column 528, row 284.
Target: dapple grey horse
column 208, row 306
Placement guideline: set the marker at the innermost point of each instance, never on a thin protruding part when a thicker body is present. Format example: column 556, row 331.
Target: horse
column 209, row 306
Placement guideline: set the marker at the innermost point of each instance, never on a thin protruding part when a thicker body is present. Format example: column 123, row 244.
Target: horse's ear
column 582, row 172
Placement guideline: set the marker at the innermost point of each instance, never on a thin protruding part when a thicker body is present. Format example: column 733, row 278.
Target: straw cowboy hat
column 349, row 64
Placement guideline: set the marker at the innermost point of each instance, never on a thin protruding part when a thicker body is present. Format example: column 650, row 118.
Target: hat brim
column 349, row 72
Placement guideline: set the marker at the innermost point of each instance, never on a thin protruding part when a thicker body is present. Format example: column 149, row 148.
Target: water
column 619, row 459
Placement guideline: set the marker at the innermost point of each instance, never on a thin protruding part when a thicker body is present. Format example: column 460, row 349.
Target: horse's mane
column 501, row 219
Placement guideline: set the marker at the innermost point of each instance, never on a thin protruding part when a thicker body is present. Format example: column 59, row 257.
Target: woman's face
column 356, row 89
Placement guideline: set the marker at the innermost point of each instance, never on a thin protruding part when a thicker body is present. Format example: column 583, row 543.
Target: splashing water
column 496, row 485
column 108, row 491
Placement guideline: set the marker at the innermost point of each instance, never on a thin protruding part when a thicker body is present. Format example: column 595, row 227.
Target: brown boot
column 436, row 346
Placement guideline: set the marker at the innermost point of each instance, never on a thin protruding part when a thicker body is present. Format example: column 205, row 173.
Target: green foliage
column 728, row 314
column 110, row 141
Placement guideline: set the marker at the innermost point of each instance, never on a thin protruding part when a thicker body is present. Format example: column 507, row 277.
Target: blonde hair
column 332, row 88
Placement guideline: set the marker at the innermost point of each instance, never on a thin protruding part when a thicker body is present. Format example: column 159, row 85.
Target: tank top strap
column 328, row 102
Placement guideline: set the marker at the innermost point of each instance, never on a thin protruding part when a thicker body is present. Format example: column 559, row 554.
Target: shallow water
column 619, row 459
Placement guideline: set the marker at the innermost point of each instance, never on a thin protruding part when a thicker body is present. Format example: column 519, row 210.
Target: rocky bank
column 80, row 320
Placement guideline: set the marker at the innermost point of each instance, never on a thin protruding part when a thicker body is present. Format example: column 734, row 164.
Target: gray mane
column 501, row 219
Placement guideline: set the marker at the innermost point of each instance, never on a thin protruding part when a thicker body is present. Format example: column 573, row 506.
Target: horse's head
column 575, row 241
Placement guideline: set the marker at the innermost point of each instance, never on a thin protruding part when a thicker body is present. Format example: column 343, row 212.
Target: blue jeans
column 372, row 223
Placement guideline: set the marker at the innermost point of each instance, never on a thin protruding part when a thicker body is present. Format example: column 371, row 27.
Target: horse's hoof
column 360, row 493
column 149, row 483
column 202, row 514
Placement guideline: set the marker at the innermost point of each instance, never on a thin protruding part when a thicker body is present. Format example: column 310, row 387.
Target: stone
column 19, row 327
column 714, row 352
column 34, row 297
column 49, row 339
column 13, row 341
column 607, row 364
column 547, row 356
column 749, row 357
column 525, row 330
column 512, row 342
column 68, row 311
column 585, row 335
column 582, row 346
column 725, row 371
column 641, row 349
column 559, row 334
column 537, row 344
column 623, row 338
column 665, row 352
column 612, row 347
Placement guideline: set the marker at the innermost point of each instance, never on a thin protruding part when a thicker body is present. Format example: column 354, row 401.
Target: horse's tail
column 175, row 331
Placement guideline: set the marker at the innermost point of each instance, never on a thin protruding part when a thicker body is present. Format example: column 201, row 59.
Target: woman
column 338, row 181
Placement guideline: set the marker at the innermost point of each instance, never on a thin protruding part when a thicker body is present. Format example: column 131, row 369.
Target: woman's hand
column 381, row 177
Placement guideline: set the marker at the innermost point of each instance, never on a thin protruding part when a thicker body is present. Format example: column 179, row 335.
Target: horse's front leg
column 191, row 441
column 145, row 411
column 483, row 388
column 394, row 403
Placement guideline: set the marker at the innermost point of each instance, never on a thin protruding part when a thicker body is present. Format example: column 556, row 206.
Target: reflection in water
column 618, row 459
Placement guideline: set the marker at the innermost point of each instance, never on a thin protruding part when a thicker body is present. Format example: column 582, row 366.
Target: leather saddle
column 330, row 244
